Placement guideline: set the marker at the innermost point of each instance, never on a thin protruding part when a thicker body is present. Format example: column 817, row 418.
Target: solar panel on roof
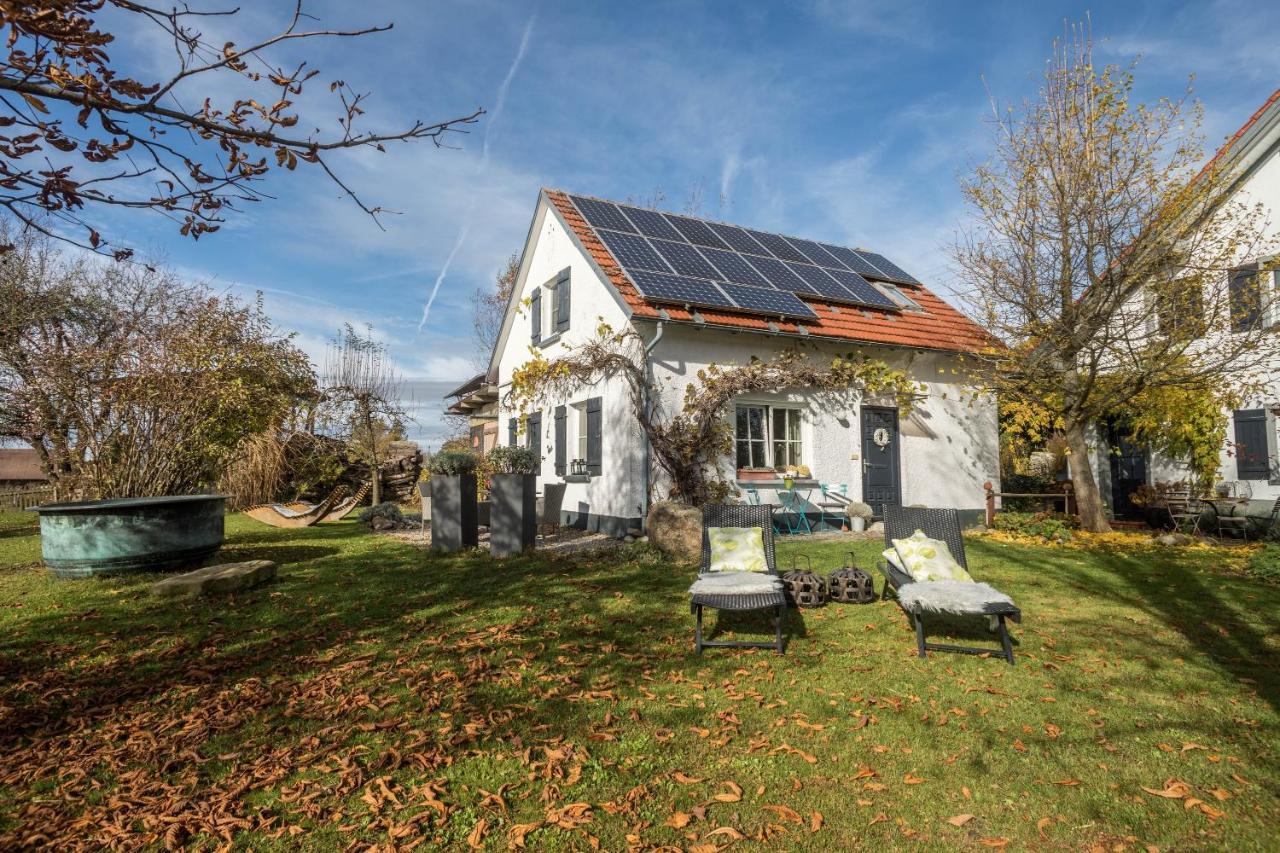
column 673, row 288
column 862, row 290
column 685, row 260
column 778, row 275
column 777, row 246
column 819, row 282
column 737, row 238
column 891, row 271
column 632, row 251
column 602, row 214
column 758, row 299
column 696, row 231
column 853, row 260
column 815, row 253
column 734, row 267
column 651, row 223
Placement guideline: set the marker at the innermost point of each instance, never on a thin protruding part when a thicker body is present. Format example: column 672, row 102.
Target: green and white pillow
column 737, row 549
column 928, row 559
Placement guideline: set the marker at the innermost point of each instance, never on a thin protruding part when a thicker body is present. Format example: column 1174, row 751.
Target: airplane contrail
column 444, row 270
column 500, row 101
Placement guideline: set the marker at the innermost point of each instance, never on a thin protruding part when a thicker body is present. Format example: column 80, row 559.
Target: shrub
column 451, row 463
column 1034, row 484
column 1265, row 564
column 857, row 509
column 386, row 509
column 1051, row 526
column 514, row 460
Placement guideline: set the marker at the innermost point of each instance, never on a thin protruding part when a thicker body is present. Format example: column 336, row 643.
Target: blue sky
column 843, row 120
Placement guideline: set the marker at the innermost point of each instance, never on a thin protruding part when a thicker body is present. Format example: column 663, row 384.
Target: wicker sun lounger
column 940, row 598
column 716, row 590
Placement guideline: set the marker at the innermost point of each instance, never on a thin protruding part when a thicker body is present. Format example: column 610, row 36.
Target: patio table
column 794, row 501
column 1226, row 507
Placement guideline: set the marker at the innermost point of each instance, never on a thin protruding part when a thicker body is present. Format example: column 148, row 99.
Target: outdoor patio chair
column 938, row 598
column 1184, row 509
column 549, row 506
column 833, row 503
column 1242, row 523
column 738, row 591
column 753, row 499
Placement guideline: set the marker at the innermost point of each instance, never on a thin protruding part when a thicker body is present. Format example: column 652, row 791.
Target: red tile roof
column 1244, row 128
column 939, row 327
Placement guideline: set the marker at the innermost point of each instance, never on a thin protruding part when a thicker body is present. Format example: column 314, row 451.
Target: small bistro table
column 1225, row 508
column 794, row 500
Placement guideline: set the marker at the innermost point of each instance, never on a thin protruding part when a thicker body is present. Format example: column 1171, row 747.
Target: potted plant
column 859, row 514
column 453, row 501
column 513, row 513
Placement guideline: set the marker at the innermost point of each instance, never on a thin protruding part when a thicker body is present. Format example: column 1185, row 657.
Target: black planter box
column 513, row 513
column 453, row 512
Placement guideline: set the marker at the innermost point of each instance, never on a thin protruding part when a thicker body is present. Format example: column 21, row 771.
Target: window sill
column 543, row 343
column 576, row 478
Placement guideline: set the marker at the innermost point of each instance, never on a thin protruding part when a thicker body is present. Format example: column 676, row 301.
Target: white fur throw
column 735, row 583
column 959, row 597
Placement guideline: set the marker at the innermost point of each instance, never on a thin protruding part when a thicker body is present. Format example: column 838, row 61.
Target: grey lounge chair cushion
column 735, row 583
column 961, row 598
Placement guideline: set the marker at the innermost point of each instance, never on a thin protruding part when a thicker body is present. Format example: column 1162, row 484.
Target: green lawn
column 378, row 695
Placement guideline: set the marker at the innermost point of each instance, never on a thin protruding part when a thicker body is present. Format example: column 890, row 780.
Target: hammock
column 296, row 514
column 340, row 510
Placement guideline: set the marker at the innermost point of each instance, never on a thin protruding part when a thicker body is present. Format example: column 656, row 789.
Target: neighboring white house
column 700, row 293
column 1251, row 452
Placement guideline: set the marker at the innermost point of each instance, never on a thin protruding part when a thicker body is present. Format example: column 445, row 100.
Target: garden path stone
column 224, row 577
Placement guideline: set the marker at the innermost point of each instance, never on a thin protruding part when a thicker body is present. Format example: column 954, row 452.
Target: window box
column 576, row 478
column 757, row 474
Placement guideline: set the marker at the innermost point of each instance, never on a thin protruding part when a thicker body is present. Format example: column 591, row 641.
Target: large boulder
column 676, row 529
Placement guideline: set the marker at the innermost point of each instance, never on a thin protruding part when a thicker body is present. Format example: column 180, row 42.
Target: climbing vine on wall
column 690, row 444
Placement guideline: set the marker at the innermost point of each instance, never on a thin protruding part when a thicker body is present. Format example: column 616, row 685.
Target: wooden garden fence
column 1051, row 499
column 22, row 499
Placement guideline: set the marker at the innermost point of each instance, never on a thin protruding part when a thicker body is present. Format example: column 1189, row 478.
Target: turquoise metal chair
column 797, row 520
column 753, row 498
column 832, row 504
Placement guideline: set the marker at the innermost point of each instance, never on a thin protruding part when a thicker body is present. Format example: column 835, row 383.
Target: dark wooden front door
column 1128, row 472
column 881, row 480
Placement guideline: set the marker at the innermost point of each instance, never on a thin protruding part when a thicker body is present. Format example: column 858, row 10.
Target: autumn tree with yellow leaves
column 1100, row 256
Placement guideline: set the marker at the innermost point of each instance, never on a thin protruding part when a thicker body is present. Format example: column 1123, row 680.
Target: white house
column 1252, row 449
column 701, row 292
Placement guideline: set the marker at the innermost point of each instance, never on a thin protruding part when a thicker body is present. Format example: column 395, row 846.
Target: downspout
column 648, row 375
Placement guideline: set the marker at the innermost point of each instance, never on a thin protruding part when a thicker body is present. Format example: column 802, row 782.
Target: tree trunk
column 1093, row 515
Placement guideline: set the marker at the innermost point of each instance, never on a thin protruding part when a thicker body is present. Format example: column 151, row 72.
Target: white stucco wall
column 949, row 444
column 618, row 491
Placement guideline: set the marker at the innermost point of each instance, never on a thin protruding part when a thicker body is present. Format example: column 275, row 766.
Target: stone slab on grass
column 224, row 577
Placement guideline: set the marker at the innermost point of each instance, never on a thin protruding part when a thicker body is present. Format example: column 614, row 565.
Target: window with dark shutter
column 1180, row 311
column 562, row 301
column 1251, row 444
column 513, row 431
column 535, row 314
column 533, row 440
column 561, row 440
column 595, row 443
column 1245, row 298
